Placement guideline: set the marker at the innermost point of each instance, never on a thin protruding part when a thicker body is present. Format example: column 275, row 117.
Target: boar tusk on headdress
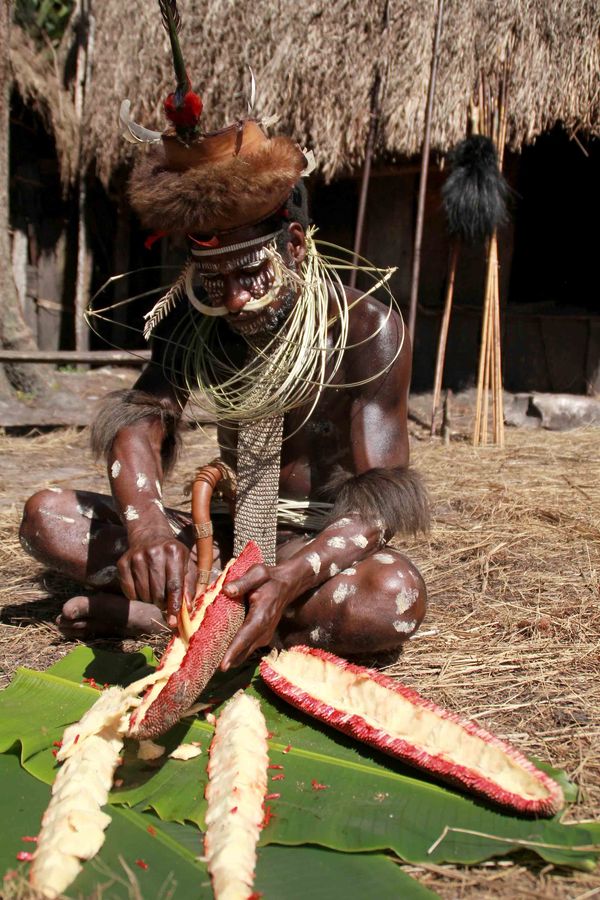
column 131, row 131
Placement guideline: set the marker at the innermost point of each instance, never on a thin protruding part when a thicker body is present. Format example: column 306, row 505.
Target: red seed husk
column 206, row 649
column 24, row 856
column 277, row 777
column 311, row 696
column 316, row 786
column 141, row 864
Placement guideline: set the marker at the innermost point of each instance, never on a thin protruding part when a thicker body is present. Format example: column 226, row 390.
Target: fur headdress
column 194, row 181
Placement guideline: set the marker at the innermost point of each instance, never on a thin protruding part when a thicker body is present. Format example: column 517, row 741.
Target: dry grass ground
column 513, row 631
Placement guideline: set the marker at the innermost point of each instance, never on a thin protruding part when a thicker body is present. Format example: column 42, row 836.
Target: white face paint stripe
column 115, row 469
column 314, row 561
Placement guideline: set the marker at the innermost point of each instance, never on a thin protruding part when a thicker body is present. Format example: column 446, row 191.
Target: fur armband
column 121, row 409
column 397, row 497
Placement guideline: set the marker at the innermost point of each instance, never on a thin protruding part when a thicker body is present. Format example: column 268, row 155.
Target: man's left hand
column 267, row 594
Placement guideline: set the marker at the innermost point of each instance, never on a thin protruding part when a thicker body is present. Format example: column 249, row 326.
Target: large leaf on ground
column 164, row 860
column 369, row 802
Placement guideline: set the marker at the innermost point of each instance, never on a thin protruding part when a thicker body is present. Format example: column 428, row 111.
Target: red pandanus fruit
column 385, row 714
column 193, row 656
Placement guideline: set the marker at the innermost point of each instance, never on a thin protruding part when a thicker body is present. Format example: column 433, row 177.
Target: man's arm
column 380, row 496
column 136, row 430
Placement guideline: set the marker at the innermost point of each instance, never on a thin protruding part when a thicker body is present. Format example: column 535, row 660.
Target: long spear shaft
column 416, row 268
column 366, row 176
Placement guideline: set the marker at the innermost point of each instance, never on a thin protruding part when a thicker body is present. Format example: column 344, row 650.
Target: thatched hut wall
column 316, row 63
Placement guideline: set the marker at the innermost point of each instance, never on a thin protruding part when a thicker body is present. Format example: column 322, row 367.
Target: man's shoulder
column 370, row 319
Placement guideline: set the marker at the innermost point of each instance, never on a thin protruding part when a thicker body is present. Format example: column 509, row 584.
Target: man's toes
column 74, row 609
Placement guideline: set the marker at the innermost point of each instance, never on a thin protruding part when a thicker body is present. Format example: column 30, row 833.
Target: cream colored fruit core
column 178, row 649
column 389, row 711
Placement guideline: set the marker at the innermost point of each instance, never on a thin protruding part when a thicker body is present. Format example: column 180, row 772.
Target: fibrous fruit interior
column 73, row 824
column 386, row 714
column 237, row 783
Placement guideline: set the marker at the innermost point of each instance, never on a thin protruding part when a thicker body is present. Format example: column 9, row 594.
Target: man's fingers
column 254, row 578
column 249, row 638
column 126, row 580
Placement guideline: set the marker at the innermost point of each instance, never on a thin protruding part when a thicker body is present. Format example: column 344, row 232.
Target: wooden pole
column 416, row 267
column 84, row 258
column 443, row 337
column 366, row 176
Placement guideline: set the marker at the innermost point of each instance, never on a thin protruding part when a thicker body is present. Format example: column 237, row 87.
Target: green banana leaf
column 369, row 801
column 164, row 860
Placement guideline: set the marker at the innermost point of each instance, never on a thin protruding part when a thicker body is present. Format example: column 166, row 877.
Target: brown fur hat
column 219, row 196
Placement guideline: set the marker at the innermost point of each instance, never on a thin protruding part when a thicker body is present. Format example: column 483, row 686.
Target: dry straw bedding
column 512, row 634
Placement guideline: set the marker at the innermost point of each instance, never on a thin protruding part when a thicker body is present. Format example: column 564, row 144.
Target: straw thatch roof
column 316, row 62
column 37, row 75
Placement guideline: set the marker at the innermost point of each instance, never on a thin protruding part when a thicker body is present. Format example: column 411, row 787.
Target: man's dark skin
column 338, row 591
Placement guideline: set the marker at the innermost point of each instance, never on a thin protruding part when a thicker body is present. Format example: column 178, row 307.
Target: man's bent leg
column 79, row 535
column 371, row 607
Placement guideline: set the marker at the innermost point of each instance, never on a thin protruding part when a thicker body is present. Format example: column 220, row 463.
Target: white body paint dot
column 141, row 481
column 349, row 572
column 115, row 469
column 340, row 593
column 405, row 599
column 315, row 634
column 340, row 523
column 385, row 558
column 359, row 540
column 333, row 570
column 405, row 627
column 338, row 543
column 131, row 514
column 314, row 561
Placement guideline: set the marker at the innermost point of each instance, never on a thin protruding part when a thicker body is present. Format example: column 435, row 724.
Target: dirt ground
column 512, row 636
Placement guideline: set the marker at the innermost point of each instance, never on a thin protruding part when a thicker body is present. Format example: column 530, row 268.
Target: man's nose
column 235, row 296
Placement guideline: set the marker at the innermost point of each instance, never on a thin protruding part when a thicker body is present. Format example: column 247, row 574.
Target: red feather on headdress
column 183, row 107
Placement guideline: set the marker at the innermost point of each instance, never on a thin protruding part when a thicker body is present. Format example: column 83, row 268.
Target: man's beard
column 268, row 320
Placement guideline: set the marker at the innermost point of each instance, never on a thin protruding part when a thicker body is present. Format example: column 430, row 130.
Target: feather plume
column 166, row 303
column 475, row 192
column 170, row 13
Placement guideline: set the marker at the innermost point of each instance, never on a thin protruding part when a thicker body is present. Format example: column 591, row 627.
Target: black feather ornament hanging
column 475, row 192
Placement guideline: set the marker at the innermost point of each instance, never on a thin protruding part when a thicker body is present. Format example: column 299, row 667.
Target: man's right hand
column 157, row 569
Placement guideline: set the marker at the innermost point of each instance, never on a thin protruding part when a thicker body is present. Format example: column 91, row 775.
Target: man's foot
column 109, row 615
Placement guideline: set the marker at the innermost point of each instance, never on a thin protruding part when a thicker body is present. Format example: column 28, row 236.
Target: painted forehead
column 239, row 261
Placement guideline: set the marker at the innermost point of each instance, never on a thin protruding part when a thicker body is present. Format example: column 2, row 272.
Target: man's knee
column 401, row 595
column 40, row 511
